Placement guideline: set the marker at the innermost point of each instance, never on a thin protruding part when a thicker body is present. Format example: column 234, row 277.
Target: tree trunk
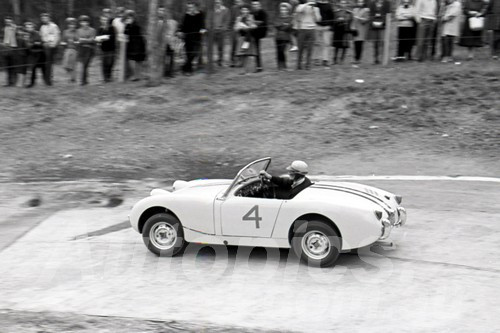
column 156, row 44
column 16, row 7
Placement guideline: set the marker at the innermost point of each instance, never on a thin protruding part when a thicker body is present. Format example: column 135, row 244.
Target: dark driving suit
column 285, row 190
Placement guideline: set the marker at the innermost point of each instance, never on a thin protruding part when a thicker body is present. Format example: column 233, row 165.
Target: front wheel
column 163, row 235
column 316, row 243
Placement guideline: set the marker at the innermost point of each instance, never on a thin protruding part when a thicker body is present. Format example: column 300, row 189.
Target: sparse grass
column 209, row 126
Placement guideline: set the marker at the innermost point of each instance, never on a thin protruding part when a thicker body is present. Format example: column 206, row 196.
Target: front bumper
column 388, row 224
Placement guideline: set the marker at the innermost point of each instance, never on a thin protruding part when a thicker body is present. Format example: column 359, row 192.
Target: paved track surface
column 73, row 254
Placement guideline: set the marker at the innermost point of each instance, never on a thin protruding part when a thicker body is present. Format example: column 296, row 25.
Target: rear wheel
column 163, row 235
column 316, row 243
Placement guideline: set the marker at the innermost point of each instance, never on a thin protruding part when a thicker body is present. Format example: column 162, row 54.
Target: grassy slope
column 208, row 126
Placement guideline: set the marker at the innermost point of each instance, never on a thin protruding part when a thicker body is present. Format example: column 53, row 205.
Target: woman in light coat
column 451, row 27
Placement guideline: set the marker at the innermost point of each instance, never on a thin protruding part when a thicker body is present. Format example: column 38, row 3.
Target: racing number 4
column 248, row 216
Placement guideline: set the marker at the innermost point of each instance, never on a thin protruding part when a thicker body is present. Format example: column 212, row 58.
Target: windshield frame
column 238, row 178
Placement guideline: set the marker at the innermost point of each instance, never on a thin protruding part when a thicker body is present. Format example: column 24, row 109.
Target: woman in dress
column 136, row 46
column 361, row 17
column 472, row 38
column 405, row 16
column 342, row 18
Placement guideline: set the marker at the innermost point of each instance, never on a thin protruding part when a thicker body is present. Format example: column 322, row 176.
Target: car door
column 249, row 217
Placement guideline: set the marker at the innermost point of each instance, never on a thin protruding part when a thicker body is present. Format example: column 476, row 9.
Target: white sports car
column 321, row 221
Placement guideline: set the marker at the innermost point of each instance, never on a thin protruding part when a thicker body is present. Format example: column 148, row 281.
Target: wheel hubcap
column 316, row 245
column 163, row 235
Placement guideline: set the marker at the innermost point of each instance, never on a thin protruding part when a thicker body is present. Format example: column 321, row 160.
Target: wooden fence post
column 387, row 39
column 210, row 46
column 122, row 58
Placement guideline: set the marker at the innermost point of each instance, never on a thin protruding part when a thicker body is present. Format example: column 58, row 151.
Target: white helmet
column 299, row 167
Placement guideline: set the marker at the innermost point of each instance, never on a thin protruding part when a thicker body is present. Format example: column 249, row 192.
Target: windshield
column 250, row 171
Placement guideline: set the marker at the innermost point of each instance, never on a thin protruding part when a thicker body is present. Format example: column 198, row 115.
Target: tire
column 163, row 235
column 316, row 243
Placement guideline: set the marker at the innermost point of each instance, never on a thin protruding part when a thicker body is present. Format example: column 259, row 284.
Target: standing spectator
column 244, row 25
column 260, row 32
column 192, row 28
column 36, row 55
column 69, row 41
column 10, row 51
column 341, row 31
column 294, row 47
column 361, row 18
column 451, row 28
column 405, row 16
column 378, row 12
column 172, row 42
column 119, row 22
column 324, row 31
column 472, row 38
column 136, row 46
column 493, row 23
column 86, row 43
column 22, row 55
column 306, row 16
column 235, row 12
column 426, row 16
column 221, row 23
column 108, row 13
column 51, row 36
column 283, row 26
column 106, row 36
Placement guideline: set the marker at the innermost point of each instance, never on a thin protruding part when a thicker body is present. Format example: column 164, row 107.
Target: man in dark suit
column 289, row 186
column 260, row 32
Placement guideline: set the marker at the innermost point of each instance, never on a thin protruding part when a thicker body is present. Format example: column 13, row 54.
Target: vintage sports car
column 321, row 221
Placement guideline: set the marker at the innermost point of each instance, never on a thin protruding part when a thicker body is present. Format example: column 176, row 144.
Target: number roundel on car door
column 249, row 217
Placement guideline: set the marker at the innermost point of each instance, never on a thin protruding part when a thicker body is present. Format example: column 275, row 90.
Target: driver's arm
column 280, row 181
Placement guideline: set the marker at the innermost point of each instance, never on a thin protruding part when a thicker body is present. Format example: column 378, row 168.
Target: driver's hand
column 264, row 174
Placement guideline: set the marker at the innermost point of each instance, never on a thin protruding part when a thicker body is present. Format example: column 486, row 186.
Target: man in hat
column 70, row 41
column 86, row 43
column 51, row 36
column 36, row 54
column 10, row 45
column 291, row 185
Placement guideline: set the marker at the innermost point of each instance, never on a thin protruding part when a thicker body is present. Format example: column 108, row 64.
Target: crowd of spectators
column 319, row 28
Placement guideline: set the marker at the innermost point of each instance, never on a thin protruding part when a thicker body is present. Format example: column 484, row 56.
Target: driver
column 291, row 185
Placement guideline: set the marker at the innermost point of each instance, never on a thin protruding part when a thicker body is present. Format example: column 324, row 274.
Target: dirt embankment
column 408, row 119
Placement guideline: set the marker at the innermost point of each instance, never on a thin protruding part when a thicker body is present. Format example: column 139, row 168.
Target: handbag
column 476, row 23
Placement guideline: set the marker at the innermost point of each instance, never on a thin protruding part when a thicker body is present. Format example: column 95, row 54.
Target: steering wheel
column 265, row 188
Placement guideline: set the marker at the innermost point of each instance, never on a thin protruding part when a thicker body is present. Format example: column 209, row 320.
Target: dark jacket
column 326, row 11
column 110, row 44
column 136, row 46
column 191, row 26
column 285, row 190
column 284, row 27
column 260, row 17
column 493, row 15
column 34, row 42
